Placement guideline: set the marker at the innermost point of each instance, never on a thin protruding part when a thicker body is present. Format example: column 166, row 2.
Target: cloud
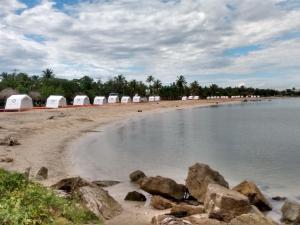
column 163, row 38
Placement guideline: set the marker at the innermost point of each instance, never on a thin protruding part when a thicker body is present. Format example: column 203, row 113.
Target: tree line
column 48, row 84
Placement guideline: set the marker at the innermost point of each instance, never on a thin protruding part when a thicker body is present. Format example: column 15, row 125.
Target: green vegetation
column 40, row 87
column 24, row 202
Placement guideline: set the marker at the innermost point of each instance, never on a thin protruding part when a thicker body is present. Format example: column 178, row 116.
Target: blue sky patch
column 241, row 51
column 58, row 3
column 35, row 37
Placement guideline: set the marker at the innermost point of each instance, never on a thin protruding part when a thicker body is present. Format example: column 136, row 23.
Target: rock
column 9, row 141
column 203, row 219
column 189, row 209
column 42, row 174
column 139, row 110
column 224, row 204
column 161, row 203
column 165, row 187
column 199, row 176
column 99, row 202
column 105, row 183
column 135, row 196
column 168, row 220
column 70, row 185
column 62, row 194
column 251, row 219
column 291, row 212
column 137, row 176
column 254, row 195
column 6, row 159
column 279, row 198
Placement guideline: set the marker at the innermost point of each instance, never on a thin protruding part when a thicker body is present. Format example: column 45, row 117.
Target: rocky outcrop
column 165, row 187
column 135, row 196
column 199, row 176
column 158, row 202
column 42, row 174
column 291, row 212
column 169, row 220
column 137, row 176
column 254, row 195
column 224, row 204
column 187, row 209
column 251, row 219
column 99, row 202
column 92, row 196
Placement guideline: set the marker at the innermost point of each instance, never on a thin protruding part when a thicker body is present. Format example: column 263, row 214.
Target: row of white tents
column 22, row 102
column 185, row 98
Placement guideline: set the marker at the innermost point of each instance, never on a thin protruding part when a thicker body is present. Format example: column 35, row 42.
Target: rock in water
column 105, row 183
column 135, row 196
column 136, row 176
column 251, row 219
column 224, row 204
column 199, row 176
column 70, row 185
column 168, row 220
column 42, row 174
column 188, row 209
column 291, row 212
column 158, row 202
column 254, row 195
column 165, row 187
column 99, row 202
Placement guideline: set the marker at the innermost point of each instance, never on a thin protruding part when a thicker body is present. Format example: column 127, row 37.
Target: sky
column 227, row 42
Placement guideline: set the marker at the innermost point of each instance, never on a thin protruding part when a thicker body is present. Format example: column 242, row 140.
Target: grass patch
column 23, row 202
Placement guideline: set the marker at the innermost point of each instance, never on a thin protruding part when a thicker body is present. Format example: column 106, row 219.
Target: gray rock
column 137, row 176
column 42, row 174
column 135, row 196
column 105, row 183
column 291, row 212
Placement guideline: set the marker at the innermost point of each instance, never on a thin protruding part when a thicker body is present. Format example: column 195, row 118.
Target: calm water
column 259, row 141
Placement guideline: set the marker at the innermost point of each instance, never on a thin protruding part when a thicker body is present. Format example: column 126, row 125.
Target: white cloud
column 164, row 38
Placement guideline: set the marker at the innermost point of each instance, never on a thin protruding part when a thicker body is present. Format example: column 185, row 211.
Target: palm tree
column 157, row 86
column 150, row 79
column 194, row 86
column 48, row 74
column 181, row 84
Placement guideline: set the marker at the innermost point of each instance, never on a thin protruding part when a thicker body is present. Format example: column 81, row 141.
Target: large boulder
column 135, row 196
column 165, row 187
column 99, row 202
column 225, row 204
column 291, row 212
column 158, row 202
column 254, row 195
column 187, row 209
column 251, row 219
column 137, row 176
column 199, row 176
column 169, row 220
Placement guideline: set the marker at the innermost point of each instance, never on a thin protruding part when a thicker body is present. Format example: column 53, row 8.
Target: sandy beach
column 45, row 134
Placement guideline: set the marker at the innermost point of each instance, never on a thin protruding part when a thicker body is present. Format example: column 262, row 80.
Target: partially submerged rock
column 99, row 202
column 291, row 212
column 70, row 185
column 137, row 176
column 224, row 204
column 158, row 202
column 278, row 198
column 199, row 176
column 254, row 195
column 188, row 209
column 105, row 183
column 251, row 219
column 135, row 196
column 165, row 187
column 9, row 141
column 42, row 174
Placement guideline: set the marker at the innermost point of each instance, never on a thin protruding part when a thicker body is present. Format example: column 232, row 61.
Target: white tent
column 184, row 98
column 196, row 97
column 56, row 101
column 125, row 99
column 113, row 99
column 100, row 100
column 151, row 98
column 136, row 99
column 191, row 97
column 157, row 98
column 81, row 100
column 18, row 102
